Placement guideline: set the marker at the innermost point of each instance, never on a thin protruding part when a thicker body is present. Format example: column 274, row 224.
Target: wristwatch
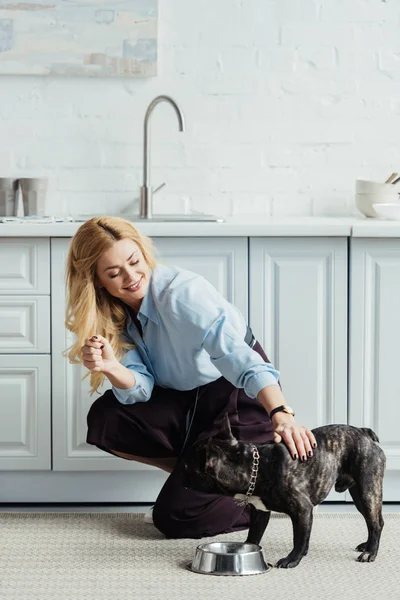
column 284, row 408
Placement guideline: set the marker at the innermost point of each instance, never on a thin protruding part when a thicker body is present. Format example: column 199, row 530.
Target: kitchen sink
column 167, row 218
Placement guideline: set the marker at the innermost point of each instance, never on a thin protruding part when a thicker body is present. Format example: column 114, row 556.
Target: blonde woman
column 177, row 356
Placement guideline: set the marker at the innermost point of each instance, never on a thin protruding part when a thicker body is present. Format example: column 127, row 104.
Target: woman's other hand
column 97, row 354
column 297, row 438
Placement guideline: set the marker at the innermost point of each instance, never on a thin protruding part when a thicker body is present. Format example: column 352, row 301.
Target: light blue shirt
column 191, row 336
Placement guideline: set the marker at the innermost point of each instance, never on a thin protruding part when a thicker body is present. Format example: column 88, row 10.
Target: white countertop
column 255, row 225
column 376, row 228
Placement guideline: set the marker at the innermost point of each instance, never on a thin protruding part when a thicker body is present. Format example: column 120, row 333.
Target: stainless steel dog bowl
column 229, row 558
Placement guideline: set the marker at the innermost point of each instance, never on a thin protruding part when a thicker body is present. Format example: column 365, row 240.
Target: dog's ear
column 225, row 432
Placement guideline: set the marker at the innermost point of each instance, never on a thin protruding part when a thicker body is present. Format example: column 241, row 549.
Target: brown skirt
column 158, row 429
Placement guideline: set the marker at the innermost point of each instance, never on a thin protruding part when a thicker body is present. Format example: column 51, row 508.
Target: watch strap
column 279, row 409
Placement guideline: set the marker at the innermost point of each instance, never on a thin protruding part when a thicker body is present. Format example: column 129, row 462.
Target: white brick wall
column 286, row 103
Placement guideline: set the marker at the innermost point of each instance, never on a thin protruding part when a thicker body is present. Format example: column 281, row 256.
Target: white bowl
column 382, row 195
column 388, row 210
column 365, row 202
column 370, row 187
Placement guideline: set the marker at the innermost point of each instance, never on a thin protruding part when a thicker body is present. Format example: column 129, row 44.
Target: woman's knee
column 101, row 408
column 174, row 524
column 219, row 515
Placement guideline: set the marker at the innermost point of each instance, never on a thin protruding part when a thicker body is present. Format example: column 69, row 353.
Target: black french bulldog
column 347, row 457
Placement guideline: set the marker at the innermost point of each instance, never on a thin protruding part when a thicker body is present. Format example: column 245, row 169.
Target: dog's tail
column 370, row 433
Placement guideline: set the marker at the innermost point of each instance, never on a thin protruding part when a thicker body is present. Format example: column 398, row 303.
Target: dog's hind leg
column 369, row 503
column 259, row 520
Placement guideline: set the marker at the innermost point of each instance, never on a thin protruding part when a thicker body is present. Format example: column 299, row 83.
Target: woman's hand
column 297, row 438
column 97, row 354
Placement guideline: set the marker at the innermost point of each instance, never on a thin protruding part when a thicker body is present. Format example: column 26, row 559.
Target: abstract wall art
column 102, row 38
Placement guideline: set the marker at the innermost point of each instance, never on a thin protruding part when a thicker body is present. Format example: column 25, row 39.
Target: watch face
column 288, row 409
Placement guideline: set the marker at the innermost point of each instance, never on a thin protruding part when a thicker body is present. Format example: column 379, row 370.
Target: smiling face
column 124, row 273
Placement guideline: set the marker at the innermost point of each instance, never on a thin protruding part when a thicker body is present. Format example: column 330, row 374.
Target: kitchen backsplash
column 286, row 104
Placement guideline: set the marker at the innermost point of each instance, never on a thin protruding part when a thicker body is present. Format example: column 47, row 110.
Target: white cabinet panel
column 24, row 324
column 24, row 265
column 298, row 312
column 374, row 390
column 25, row 412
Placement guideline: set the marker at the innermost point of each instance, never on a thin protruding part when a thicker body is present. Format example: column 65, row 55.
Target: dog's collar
column 244, row 500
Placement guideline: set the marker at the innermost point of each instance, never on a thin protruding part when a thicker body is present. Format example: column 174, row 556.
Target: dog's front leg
column 258, row 523
column 302, row 522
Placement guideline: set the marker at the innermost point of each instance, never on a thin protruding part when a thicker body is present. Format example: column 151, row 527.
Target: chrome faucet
column 146, row 192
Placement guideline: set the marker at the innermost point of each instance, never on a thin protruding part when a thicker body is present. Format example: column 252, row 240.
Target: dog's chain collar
column 253, row 479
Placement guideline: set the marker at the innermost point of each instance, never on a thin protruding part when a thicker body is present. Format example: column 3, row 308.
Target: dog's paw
column 361, row 547
column 366, row 557
column 288, row 562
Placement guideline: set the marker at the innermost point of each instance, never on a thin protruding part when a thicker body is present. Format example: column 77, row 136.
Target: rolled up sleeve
column 236, row 361
column 218, row 327
column 143, row 388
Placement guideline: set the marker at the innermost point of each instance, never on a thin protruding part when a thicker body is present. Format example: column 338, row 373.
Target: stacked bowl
column 369, row 193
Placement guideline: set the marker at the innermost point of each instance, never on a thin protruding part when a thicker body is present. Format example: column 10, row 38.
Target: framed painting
column 104, row 38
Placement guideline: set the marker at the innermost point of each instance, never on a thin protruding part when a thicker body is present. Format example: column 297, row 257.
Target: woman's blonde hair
column 91, row 309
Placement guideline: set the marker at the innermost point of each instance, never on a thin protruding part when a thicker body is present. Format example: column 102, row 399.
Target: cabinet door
column 221, row 261
column 298, row 312
column 374, row 348
column 24, row 266
column 24, row 324
column 25, row 413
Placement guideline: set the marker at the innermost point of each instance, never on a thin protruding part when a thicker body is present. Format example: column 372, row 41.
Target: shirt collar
column 148, row 306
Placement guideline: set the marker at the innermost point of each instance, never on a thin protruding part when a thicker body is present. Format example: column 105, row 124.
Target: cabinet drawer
column 24, row 266
column 24, row 324
column 25, row 413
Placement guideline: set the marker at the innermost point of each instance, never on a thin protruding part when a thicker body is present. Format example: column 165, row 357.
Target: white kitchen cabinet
column 298, row 312
column 25, row 409
column 222, row 261
column 338, row 359
column 24, row 324
column 374, row 383
column 25, row 377
column 25, row 266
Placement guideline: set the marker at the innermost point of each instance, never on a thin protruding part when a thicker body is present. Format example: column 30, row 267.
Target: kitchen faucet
column 146, row 192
